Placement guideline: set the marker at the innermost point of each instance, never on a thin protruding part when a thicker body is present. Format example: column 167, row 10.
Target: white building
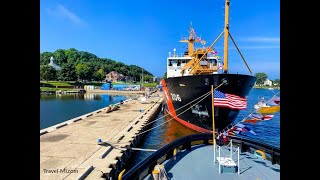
column 155, row 79
column 56, row 67
column 267, row 82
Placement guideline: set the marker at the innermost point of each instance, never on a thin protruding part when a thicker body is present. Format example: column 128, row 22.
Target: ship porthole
column 225, row 81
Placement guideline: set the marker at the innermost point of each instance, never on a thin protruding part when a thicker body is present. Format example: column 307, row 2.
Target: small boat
column 268, row 107
column 270, row 88
column 262, row 103
column 269, row 110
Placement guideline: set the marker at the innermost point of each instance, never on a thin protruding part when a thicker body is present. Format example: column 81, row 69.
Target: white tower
column 56, row 67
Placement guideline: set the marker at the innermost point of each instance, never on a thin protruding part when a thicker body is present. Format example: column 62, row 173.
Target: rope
column 171, row 118
column 185, row 104
column 205, row 96
column 108, row 143
column 240, row 52
column 177, row 109
column 165, row 115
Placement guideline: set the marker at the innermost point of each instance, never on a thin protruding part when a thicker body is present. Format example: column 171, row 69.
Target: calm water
column 55, row 109
column 267, row 131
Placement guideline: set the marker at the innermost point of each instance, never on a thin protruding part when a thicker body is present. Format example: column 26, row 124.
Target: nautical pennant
column 251, row 118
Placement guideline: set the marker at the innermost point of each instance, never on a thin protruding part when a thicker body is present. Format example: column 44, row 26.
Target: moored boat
column 190, row 77
column 193, row 157
column 269, row 110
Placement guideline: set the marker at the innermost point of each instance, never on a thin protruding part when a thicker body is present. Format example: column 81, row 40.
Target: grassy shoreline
column 265, row 87
column 54, row 86
column 71, row 84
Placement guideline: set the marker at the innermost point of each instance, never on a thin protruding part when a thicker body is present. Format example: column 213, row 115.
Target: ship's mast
column 226, row 35
column 191, row 39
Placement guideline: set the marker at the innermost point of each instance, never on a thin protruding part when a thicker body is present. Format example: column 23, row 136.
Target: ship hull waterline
column 180, row 91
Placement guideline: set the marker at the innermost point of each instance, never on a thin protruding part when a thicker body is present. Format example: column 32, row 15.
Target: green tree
column 148, row 78
column 45, row 58
column 47, row 73
column 60, row 57
column 74, row 57
column 276, row 82
column 164, row 76
column 83, row 72
column 99, row 75
column 67, row 73
column 261, row 77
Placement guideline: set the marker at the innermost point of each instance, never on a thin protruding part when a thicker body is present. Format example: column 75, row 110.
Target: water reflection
column 174, row 130
column 267, row 132
column 58, row 108
column 160, row 136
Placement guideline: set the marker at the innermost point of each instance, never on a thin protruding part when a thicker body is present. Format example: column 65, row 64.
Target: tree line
column 84, row 66
column 262, row 77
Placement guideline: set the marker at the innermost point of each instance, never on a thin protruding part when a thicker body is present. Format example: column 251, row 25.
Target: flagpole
column 213, row 126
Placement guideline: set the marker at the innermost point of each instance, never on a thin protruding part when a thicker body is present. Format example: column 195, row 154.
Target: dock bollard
column 99, row 140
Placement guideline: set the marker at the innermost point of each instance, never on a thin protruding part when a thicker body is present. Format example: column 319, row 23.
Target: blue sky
column 143, row 32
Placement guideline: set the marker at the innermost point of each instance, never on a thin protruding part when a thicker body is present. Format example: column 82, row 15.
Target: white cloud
column 63, row 12
column 261, row 39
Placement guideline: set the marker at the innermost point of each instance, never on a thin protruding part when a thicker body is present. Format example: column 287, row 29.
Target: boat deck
column 198, row 164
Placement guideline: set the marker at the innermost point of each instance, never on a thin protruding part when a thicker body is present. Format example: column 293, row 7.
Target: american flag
column 229, row 100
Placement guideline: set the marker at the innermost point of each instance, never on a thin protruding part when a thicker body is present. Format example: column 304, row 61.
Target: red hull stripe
column 189, row 125
column 168, row 98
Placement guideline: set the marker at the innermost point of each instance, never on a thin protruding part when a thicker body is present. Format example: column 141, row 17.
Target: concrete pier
column 70, row 150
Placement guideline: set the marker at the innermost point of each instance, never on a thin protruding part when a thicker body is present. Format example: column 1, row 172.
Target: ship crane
column 200, row 62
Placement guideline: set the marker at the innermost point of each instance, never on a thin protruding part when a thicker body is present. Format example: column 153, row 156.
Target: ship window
column 203, row 63
column 179, row 62
column 170, row 62
column 214, row 62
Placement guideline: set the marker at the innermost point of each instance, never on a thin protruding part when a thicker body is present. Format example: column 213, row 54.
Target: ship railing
column 145, row 167
column 176, row 55
column 248, row 145
column 211, row 56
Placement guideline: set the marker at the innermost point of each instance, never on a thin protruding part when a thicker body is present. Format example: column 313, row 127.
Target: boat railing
column 145, row 167
column 246, row 144
column 183, row 55
column 176, row 55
